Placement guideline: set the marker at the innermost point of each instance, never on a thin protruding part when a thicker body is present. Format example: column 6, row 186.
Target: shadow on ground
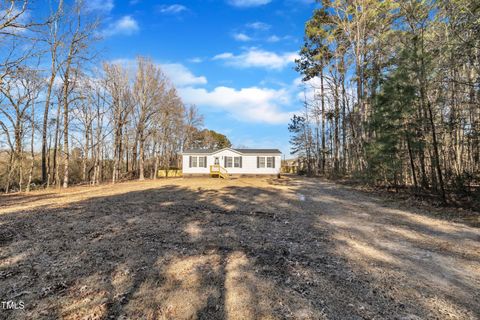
column 312, row 251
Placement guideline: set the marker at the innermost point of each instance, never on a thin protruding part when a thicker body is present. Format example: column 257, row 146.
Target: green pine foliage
column 391, row 122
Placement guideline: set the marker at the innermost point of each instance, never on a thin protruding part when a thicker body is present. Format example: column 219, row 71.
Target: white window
column 266, row 162
column 270, row 162
column 261, row 162
column 228, row 162
column 198, row 162
column 201, row 162
column 237, row 162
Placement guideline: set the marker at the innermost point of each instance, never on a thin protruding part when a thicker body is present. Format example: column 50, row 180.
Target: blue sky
column 232, row 58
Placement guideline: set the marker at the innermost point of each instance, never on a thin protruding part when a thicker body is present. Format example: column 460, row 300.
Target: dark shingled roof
column 244, row 151
column 258, row 150
column 206, row 151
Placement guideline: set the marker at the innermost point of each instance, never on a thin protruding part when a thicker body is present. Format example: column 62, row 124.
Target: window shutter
column 190, row 161
column 225, row 162
column 273, row 162
column 205, row 162
column 240, row 162
column 258, row 162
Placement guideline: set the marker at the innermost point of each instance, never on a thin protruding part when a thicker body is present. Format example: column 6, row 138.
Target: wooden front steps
column 218, row 171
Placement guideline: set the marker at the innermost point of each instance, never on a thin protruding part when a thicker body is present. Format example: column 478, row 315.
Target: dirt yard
column 196, row 248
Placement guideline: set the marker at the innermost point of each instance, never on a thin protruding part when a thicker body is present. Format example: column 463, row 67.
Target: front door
column 217, row 161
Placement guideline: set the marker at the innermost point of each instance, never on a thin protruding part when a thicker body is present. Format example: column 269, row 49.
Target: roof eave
column 278, row 152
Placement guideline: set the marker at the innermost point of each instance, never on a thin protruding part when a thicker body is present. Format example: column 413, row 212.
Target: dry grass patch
column 243, row 248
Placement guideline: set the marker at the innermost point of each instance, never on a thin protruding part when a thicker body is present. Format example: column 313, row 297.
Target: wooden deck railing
column 219, row 171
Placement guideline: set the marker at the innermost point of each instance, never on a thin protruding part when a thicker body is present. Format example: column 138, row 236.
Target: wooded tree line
column 396, row 93
column 66, row 118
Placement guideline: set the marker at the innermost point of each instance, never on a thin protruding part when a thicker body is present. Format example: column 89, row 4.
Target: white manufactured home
column 229, row 161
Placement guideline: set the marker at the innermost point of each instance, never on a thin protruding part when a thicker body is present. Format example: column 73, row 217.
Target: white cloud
column 251, row 104
column 172, row 9
column 258, row 58
column 248, row 3
column 181, row 75
column 126, row 25
column 99, row 5
column 273, row 38
column 241, row 37
column 195, row 60
column 225, row 55
column 258, row 25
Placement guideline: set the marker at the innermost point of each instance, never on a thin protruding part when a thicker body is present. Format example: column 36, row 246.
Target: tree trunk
column 11, row 164
column 32, row 153
column 344, row 126
column 49, row 170
column 412, row 161
column 336, row 128
column 66, row 152
column 56, row 176
column 155, row 167
column 115, row 157
column 85, row 154
column 45, row 128
column 141, row 162
column 436, row 153
column 322, row 93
